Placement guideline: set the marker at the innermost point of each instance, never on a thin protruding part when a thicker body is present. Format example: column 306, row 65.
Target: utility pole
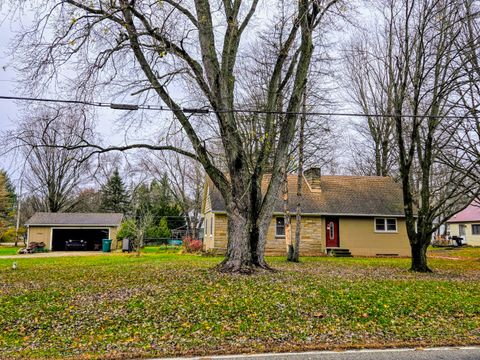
column 19, row 202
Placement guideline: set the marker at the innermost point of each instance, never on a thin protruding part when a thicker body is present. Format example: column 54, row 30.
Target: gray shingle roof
column 340, row 195
column 80, row 219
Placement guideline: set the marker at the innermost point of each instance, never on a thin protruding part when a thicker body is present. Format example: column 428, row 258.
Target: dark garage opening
column 92, row 236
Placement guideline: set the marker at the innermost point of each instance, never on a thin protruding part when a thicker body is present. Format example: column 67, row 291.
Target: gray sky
column 10, row 111
column 7, row 74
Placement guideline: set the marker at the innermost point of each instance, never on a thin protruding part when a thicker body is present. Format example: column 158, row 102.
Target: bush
column 9, row 233
column 128, row 230
column 191, row 245
column 160, row 231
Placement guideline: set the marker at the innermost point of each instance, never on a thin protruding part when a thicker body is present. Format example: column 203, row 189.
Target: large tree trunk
column 239, row 257
column 298, row 216
column 246, row 231
column 419, row 256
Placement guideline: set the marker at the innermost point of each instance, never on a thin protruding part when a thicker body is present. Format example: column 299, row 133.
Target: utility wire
column 134, row 107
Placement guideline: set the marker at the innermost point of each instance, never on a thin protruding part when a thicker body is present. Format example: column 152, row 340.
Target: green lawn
column 165, row 304
column 8, row 250
column 453, row 252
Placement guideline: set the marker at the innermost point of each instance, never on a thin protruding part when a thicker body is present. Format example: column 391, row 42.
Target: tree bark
column 419, row 256
column 239, row 257
column 298, row 216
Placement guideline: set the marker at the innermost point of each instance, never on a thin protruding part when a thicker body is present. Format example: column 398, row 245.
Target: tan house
column 363, row 214
column 466, row 224
column 54, row 229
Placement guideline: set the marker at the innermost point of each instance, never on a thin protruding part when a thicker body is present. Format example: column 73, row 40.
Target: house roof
column 75, row 219
column 339, row 195
column 470, row 213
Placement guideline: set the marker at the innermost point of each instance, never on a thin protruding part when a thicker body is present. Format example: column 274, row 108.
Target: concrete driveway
column 461, row 353
column 55, row 254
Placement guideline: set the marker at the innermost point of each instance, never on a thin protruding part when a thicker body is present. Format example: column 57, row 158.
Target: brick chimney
column 314, row 178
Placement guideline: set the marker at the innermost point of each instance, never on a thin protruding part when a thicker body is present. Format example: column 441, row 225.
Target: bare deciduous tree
column 162, row 44
column 419, row 67
column 54, row 172
column 369, row 85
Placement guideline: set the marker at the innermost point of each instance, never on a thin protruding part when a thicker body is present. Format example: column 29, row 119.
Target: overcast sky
column 10, row 111
column 7, row 74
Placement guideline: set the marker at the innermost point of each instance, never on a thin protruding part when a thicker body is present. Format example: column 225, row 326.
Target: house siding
column 208, row 201
column 40, row 234
column 473, row 240
column 356, row 234
column 359, row 236
column 113, row 235
column 208, row 239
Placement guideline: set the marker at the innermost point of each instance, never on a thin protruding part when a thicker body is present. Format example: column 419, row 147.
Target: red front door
column 332, row 232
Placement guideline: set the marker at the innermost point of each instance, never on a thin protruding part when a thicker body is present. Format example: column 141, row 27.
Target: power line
column 135, row 107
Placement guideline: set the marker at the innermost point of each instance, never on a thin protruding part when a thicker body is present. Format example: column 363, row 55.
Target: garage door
column 93, row 237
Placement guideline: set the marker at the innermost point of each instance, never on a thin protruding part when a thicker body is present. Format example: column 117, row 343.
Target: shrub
column 128, row 230
column 158, row 231
column 191, row 245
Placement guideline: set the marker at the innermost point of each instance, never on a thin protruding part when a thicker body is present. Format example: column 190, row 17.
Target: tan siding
column 454, row 229
column 208, row 202
column 208, row 241
column 40, row 233
column 473, row 240
column 208, row 217
column 359, row 236
column 113, row 235
column 220, row 233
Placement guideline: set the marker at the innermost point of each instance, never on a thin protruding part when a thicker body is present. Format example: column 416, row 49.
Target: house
column 363, row 214
column 466, row 224
column 54, row 229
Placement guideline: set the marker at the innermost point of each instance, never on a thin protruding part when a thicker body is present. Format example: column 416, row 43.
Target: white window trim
column 211, row 226
column 284, row 228
column 385, row 222
column 475, row 224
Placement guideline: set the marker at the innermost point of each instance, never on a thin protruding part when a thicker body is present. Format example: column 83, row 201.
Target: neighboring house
column 466, row 224
column 361, row 213
column 54, row 229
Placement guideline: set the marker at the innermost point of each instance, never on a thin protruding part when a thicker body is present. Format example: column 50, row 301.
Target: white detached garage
column 55, row 229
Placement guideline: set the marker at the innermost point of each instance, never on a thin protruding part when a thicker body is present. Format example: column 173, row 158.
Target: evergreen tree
column 7, row 208
column 158, row 231
column 163, row 204
column 114, row 195
column 7, row 196
column 141, row 200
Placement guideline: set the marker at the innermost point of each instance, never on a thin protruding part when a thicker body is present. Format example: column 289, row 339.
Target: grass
column 165, row 304
column 456, row 253
column 162, row 249
column 8, row 250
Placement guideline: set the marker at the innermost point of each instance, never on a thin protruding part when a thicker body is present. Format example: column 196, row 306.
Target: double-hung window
column 280, row 227
column 385, row 225
column 476, row 229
